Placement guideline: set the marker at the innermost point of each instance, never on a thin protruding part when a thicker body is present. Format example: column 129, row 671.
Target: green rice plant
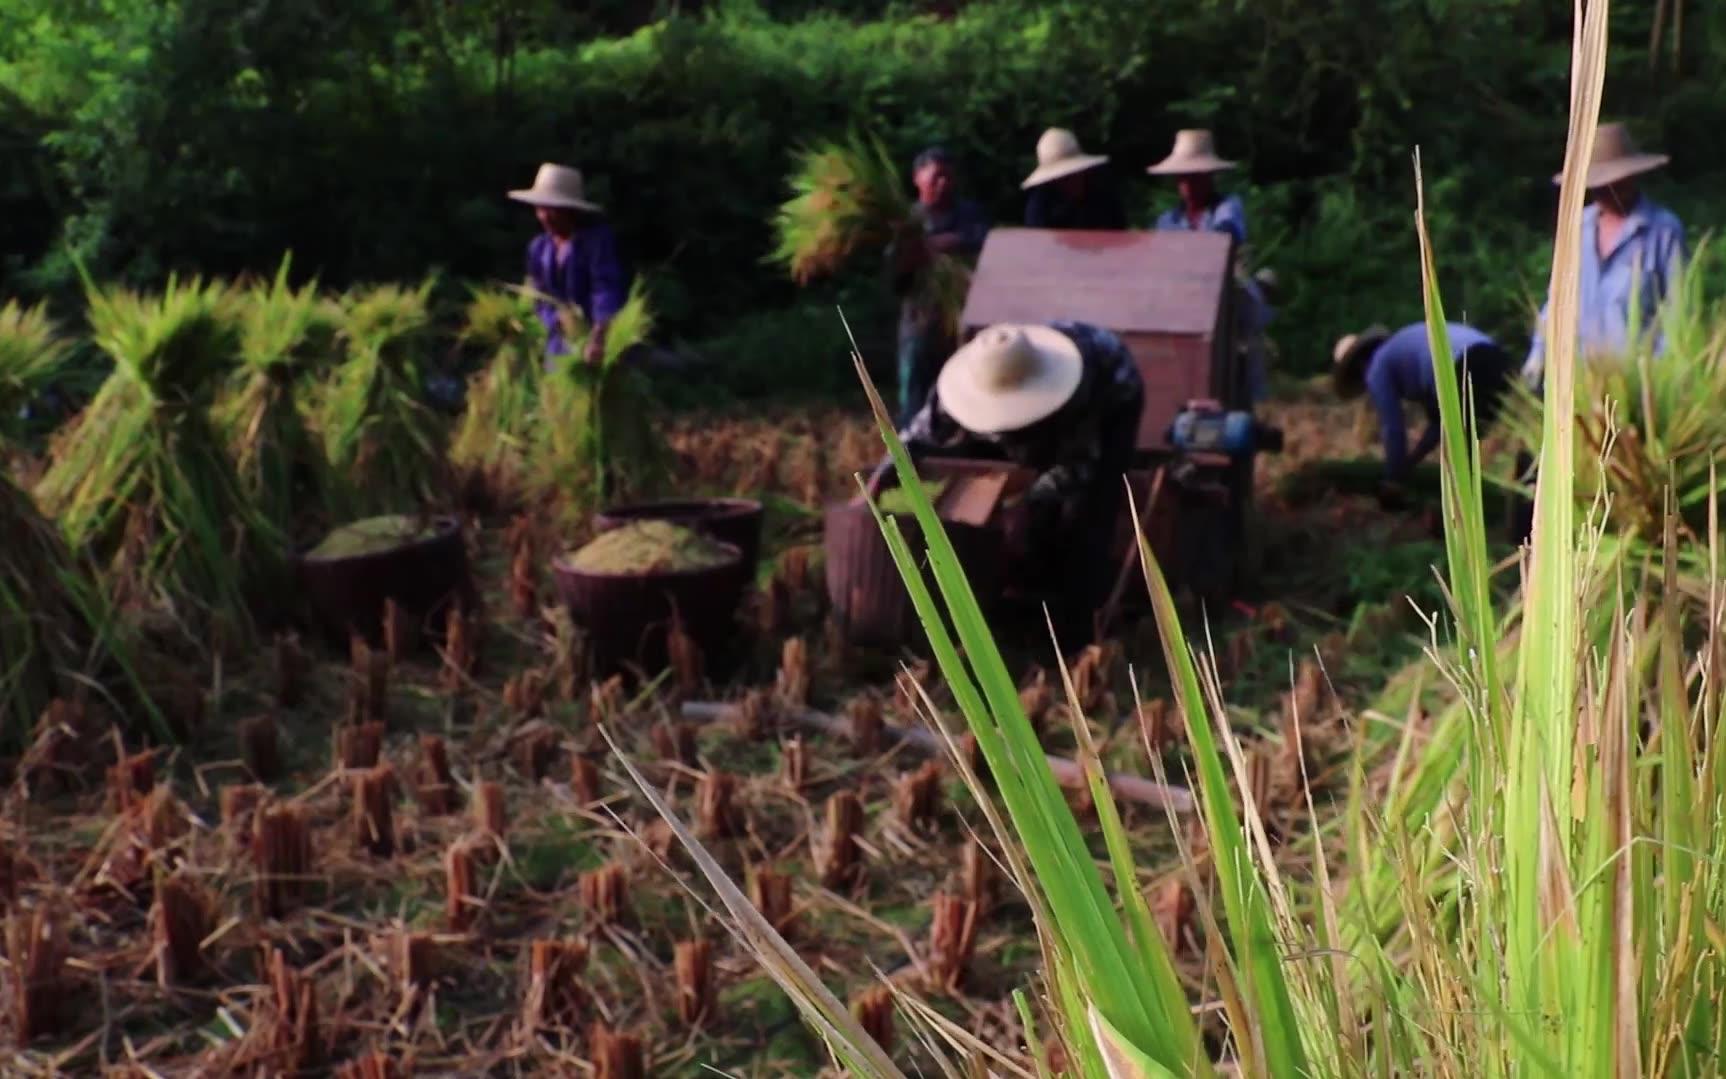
column 492, row 441
column 384, row 444
column 286, row 336
column 848, row 198
column 594, row 436
column 141, row 479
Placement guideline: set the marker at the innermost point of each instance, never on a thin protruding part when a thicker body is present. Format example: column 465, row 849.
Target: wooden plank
column 1143, row 282
column 972, row 500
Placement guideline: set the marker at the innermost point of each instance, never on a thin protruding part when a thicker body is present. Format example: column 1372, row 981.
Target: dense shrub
column 375, row 140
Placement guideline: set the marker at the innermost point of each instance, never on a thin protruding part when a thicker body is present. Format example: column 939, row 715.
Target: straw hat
column 1194, row 153
column 1009, row 377
column 1059, row 154
column 557, row 186
column 1615, row 157
column 1351, row 353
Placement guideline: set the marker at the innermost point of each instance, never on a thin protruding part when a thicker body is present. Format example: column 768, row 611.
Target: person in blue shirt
column 1396, row 368
column 1632, row 253
column 1070, row 189
column 950, row 225
column 1194, row 164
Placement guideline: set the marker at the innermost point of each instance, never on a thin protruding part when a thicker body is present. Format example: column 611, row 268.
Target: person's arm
column 1381, row 389
column 918, row 437
column 1534, row 368
column 608, row 285
column 1037, row 208
column 1231, row 217
column 1428, row 438
column 972, row 228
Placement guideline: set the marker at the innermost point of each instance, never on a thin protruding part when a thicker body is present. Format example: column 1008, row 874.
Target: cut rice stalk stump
column 836, row 849
column 374, row 811
column 282, row 854
column 36, row 952
column 182, row 918
column 555, row 997
column 693, row 961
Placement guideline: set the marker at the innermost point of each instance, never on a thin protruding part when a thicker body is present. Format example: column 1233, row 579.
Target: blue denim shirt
column 1644, row 265
column 1401, row 370
column 1228, row 215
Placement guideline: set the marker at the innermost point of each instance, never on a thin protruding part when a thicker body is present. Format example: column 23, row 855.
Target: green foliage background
column 375, row 138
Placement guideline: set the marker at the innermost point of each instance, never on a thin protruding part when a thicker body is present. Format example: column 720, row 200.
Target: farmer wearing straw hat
column 1393, row 368
column 1194, row 163
column 1070, row 189
column 950, row 225
column 1632, row 252
column 1064, row 401
column 575, row 259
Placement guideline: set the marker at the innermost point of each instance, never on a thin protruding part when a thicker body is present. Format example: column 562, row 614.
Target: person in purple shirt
column 1394, row 368
column 575, row 260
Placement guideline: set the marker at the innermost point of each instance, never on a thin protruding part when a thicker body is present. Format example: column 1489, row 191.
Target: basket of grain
column 419, row 562
column 736, row 521
column 629, row 586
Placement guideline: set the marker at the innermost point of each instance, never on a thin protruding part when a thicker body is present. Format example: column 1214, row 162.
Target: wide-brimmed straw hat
column 1008, row 377
column 1059, row 154
column 1350, row 354
column 557, row 186
column 1615, row 157
column 1194, row 153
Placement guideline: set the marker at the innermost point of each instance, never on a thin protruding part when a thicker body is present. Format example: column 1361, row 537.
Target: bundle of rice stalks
column 594, row 436
column 1649, row 414
column 848, row 198
column 142, row 479
column 49, row 607
column 385, row 445
column 285, row 336
column 490, row 448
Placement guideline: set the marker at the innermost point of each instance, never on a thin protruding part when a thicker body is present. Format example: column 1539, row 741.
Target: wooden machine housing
column 1170, row 298
column 1169, row 295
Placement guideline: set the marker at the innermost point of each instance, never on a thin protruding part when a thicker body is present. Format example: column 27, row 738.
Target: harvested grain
column 650, row 546
column 898, row 500
column 372, row 536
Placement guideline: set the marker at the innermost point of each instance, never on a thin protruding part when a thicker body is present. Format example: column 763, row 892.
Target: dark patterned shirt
column 1073, row 449
column 962, row 218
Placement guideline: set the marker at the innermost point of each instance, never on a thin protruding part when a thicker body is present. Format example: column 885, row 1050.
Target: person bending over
column 1394, row 368
column 1063, row 400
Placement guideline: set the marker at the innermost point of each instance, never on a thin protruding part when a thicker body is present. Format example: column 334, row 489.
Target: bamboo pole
column 1067, row 773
